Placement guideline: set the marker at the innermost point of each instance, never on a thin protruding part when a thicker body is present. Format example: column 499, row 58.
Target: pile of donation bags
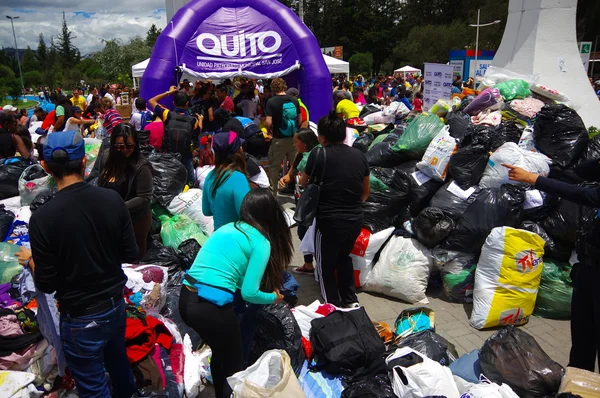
column 441, row 202
column 348, row 355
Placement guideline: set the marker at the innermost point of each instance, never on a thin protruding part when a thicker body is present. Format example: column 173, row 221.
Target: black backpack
column 178, row 133
column 345, row 342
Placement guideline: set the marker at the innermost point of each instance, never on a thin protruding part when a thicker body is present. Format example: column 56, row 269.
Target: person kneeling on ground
column 249, row 255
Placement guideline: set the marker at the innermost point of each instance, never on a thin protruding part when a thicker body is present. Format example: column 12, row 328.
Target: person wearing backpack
column 142, row 116
column 181, row 129
column 283, row 120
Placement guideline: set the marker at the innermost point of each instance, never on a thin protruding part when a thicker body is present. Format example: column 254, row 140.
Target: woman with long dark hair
column 249, row 255
column 124, row 169
column 226, row 186
column 345, row 172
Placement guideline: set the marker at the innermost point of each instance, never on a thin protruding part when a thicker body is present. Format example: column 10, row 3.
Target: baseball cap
column 70, row 142
column 76, row 109
column 226, row 144
column 259, row 81
column 9, row 108
column 293, row 91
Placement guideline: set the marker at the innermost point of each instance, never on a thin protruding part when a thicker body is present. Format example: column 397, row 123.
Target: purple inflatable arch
column 218, row 39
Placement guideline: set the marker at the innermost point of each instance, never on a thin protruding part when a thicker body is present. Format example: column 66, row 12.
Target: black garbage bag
column 491, row 208
column 466, row 101
column 539, row 213
column 10, row 171
column 419, row 193
column 513, row 357
column 188, row 250
column 592, row 150
column 143, row 137
column 481, row 134
column 377, row 386
column 506, row 132
column 156, row 225
column 451, row 204
column 42, row 198
column 277, row 329
column 368, row 109
column 6, row 219
column 432, row 226
column 560, row 134
column 561, row 223
column 468, row 164
column 551, row 248
column 385, row 209
column 459, row 122
column 381, row 155
column 363, row 142
column 164, row 256
column 169, row 176
column 432, row 345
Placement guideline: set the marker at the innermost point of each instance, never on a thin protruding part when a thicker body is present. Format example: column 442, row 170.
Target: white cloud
column 89, row 21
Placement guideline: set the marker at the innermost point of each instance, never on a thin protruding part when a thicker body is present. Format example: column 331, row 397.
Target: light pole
column 17, row 54
column 480, row 25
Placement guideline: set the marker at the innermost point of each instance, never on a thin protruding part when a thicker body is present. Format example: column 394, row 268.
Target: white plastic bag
column 307, row 246
column 402, row 271
column 193, row 368
column 379, row 117
column 424, row 379
column 270, row 376
column 202, row 173
column 29, row 189
column 190, row 204
column 507, row 278
column 496, row 175
column 397, row 109
column 437, row 156
column 304, row 316
column 362, row 258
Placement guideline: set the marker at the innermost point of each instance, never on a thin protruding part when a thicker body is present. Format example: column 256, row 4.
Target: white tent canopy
column 333, row 64
column 407, row 69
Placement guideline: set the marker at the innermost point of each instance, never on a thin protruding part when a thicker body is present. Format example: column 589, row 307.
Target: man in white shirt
column 93, row 91
column 142, row 115
column 259, row 86
column 112, row 89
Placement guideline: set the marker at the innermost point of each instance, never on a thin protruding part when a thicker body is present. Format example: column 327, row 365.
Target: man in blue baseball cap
column 79, row 240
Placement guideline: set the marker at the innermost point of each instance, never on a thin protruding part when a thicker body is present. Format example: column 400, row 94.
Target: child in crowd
column 418, row 103
column 304, row 141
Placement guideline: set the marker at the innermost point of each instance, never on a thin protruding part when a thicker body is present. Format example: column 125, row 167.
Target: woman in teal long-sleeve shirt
column 226, row 186
column 249, row 255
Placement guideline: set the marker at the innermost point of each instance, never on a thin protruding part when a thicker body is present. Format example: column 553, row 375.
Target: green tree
column 32, row 78
column 361, row 63
column 29, row 62
column 90, row 68
column 42, row 53
column 116, row 58
column 14, row 89
column 67, row 53
column 6, row 73
column 152, row 35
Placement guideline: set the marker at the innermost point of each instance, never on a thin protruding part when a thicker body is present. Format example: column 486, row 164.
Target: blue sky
column 89, row 20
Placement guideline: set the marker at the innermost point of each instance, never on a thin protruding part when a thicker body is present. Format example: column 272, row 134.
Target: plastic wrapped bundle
column 418, row 186
column 458, row 274
column 6, row 219
column 363, row 142
column 560, row 134
column 163, row 256
column 561, row 223
column 506, row 132
column 369, row 386
column 512, row 89
column 488, row 99
column 491, row 208
column 276, row 328
column 418, row 135
column 452, row 200
column 432, row 226
column 169, row 176
column 507, row 278
column 384, row 209
column 437, row 156
column 554, row 297
column 513, row 357
column 592, row 151
column 190, row 204
column 33, row 182
column 382, row 155
column 468, row 164
column 432, row 345
column 458, row 121
column 10, row 172
column 179, row 228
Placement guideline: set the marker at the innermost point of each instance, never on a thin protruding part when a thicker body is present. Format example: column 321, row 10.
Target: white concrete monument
column 540, row 38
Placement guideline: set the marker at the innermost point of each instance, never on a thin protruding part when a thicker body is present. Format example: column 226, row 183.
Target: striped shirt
column 111, row 118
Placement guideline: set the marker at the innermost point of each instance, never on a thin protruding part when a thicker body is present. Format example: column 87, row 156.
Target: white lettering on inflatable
column 220, row 46
column 216, row 44
column 225, row 48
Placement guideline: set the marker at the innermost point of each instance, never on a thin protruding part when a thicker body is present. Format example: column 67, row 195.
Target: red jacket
column 140, row 338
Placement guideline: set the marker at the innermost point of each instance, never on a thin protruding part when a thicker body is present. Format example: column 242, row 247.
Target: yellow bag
column 507, row 278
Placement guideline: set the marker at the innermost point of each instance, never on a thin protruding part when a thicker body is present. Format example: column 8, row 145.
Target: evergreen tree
column 29, row 61
column 42, row 53
column 152, row 35
column 67, row 53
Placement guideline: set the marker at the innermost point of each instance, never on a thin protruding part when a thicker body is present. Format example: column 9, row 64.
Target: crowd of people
column 220, row 132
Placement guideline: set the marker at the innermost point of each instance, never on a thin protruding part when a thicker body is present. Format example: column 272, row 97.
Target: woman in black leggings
column 345, row 176
column 249, row 255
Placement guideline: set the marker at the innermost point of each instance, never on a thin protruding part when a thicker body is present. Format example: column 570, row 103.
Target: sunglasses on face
column 120, row 147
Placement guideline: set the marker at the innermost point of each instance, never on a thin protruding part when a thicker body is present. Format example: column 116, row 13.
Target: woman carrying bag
column 249, row 255
column 342, row 172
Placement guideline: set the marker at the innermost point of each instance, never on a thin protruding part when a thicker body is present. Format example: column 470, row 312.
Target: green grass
column 19, row 105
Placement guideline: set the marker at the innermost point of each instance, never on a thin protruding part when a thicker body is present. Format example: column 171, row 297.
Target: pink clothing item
column 528, row 107
column 360, row 99
column 155, row 355
column 487, row 117
column 326, row 309
column 9, row 326
column 23, row 359
column 177, row 361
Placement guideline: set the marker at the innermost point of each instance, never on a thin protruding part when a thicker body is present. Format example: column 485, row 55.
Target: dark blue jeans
column 92, row 343
column 191, row 172
column 246, row 315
